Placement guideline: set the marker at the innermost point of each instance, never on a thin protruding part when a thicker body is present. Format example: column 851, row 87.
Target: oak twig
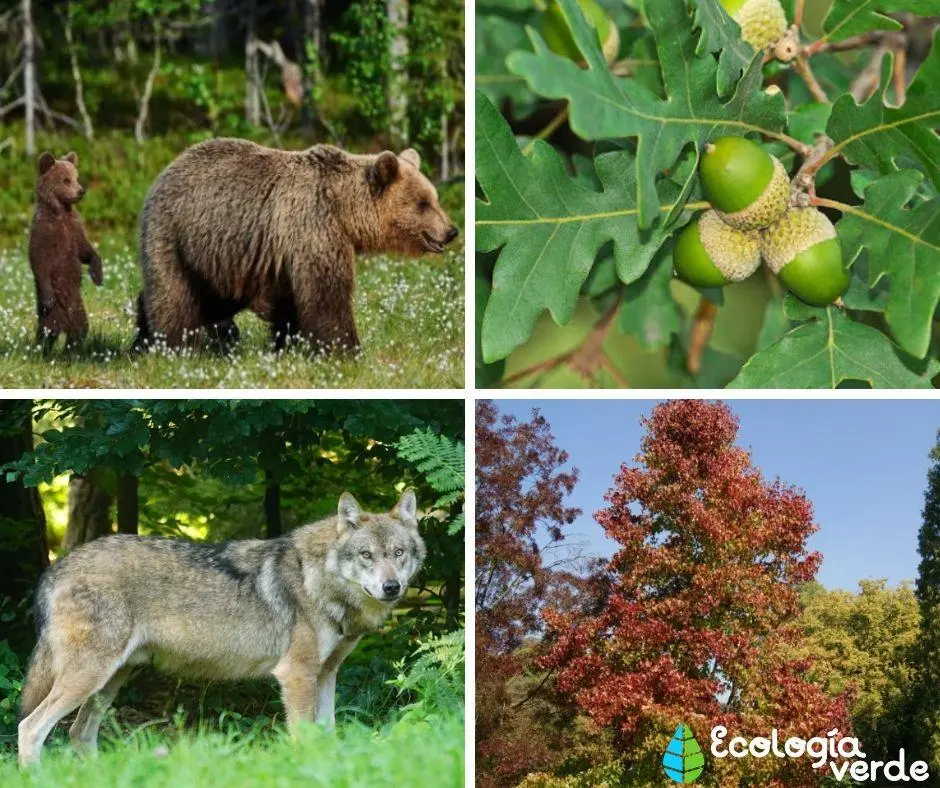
column 586, row 359
column 702, row 326
column 804, row 69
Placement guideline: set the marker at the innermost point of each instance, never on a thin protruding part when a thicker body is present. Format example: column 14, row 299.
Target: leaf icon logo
column 683, row 760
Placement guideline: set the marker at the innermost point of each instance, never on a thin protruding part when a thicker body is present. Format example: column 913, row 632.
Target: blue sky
column 863, row 464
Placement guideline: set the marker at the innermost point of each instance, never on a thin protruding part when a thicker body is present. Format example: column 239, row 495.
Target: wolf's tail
column 39, row 678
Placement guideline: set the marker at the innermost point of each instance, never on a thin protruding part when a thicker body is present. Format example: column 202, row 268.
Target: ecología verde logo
column 683, row 759
column 842, row 754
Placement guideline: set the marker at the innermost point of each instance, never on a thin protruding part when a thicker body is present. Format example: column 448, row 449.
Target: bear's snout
column 452, row 233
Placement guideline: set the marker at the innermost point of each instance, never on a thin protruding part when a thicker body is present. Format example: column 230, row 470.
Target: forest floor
column 415, row 753
column 409, row 315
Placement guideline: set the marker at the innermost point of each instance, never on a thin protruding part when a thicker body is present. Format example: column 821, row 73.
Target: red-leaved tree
column 700, row 618
column 521, row 486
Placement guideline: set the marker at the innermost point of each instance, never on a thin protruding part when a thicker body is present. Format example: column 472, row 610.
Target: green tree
column 927, row 698
column 863, row 643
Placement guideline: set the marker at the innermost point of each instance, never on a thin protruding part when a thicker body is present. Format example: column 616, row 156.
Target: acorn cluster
column 751, row 218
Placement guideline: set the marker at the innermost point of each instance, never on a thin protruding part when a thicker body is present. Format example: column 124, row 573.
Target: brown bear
column 58, row 247
column 231, row 225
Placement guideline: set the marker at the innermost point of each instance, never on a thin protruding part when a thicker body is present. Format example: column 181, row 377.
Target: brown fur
column 58, row 247
column 232, row 225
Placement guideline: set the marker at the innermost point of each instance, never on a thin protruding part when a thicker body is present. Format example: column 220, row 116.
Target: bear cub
column 58, row 247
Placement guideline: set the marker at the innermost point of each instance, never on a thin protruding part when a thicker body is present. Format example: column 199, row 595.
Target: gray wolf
column 231, row 225
column 58, row 247
column 292, row 607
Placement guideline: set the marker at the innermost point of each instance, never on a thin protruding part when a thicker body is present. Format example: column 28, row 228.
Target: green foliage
column 441, row 460
column 864, row 642
column 830, row 350
column 433, row 677
column 11, row 684
column 926, row 706
column 364, row 43
column 683, row 78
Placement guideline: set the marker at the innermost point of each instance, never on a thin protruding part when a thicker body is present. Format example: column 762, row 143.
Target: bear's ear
column 411, row 156
column 383, row 172
column 45, row 162
column 72, row 158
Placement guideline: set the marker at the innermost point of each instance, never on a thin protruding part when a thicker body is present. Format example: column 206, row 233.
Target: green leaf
column 721, row 34
column 903, row 245
column 874, row 135
column 551, row 227
column 849, row 18
column 649, row 312
column 827, row 352
column 604, row 106
column 496, row 37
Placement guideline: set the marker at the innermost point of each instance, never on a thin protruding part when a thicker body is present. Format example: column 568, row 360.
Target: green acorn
column 710, row 253
column 744, row 183
column 558, row 37
column 762, row 22
column 804, row 251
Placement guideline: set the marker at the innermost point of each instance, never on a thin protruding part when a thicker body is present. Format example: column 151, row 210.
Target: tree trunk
column 397, row 100
column 24, row 552
column 89, row 510
column 272, row 507
column 128, row 506
column 77, row 75
column 313, row 35
column 29, row 76
column 252, row 74
column 140, row 127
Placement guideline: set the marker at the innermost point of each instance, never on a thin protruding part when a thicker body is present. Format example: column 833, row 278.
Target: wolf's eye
column 366, row 554
column 399, row 553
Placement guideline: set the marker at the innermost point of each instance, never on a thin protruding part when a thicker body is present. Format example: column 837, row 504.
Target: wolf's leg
column 297, row 675
column 84, row 731
column 66, row 695
column 326, row 682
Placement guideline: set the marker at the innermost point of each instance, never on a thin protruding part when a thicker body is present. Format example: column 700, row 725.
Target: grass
column 409, row 314
column 416, row 753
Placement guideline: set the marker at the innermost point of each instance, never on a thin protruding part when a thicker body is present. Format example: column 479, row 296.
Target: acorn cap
column 558, row 36
column 804, row 251
column 762, row 22
column 709, row 253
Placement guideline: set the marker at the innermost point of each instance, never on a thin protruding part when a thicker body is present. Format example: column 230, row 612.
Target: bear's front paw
column 94, row 270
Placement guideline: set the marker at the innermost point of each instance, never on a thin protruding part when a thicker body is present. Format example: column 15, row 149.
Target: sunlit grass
column 409, row 314
column 408, row 753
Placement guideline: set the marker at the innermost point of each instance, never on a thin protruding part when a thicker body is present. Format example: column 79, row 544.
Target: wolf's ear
column 72, row 158
column 45, row 162
column 349, row 512
column 406, row 509
column 412, row 157
column 383, row 173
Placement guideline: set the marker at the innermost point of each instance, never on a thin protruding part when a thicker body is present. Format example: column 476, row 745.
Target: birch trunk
column 252, row 75
column 29, row 76
column 397, row 99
